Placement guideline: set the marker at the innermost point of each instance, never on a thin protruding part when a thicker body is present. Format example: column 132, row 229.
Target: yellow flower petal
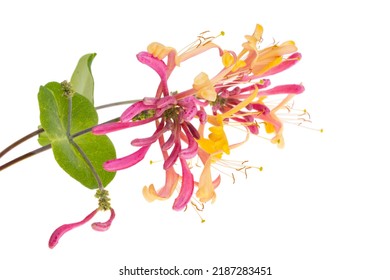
column 269, row 128
column 238, row 65
column 159, row 50
column 227, row 59
column 149, row 193
column 206, row 188
column 204, row 87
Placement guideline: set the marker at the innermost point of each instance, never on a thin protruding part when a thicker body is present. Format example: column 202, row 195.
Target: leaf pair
column 55, row 114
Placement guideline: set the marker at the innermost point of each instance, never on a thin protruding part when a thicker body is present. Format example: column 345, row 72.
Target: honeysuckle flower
column 236, row 94
column 260, row 61
column 174, row 117
column 239, row 95
column 171, row 115
column 98, row 226
column 230, row 99
column 211, row 151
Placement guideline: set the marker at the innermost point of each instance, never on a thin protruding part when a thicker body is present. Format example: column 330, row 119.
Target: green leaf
column 53, row 106
column 82, row 79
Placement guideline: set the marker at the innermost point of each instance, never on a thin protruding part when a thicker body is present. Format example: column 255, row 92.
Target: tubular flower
column 238, row 94
column 171, row 115
column 98, row 226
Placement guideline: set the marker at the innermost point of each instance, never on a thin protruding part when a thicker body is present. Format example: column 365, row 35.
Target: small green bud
column 67, row 88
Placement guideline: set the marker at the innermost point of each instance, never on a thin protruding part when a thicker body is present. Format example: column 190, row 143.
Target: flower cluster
column 236, row 95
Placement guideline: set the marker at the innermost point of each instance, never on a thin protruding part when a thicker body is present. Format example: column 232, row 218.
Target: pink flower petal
column 261, row 108
column 170, row 161
column 289, row 62
column 165, row 102
column 193, row 130
column 134, row 110
column 59, row 232
column 127, row 161
column 98, row 226
column 171, row 180
column 252, row 127
column 283, row 89
column 192, row 148
column 189, row 108
column 169, row 143
column 150, row 100
column 157, row 65
column 202, row 116
column 150, row 140
column 187, row 187
column 189, row 113
column 111, row 127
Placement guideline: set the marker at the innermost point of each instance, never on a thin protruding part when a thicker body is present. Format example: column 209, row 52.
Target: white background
column 319, row 210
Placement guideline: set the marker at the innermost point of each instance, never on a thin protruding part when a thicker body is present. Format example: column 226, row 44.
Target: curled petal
column 192, row 148
column 170, row 161
column 187, row 187
column 204, row 87
column 134, row 110
column 150, row 140
column 171, row 180
column 169, row 143
column 59, row 232
column 127, row 161
column 193, row 130
column 166, row 101
column 159, row 50
column 98, row 226
column 228, row 58
column 157, row 65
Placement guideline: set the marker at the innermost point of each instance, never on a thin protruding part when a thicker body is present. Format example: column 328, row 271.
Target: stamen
column 154, row 161
column 197, row 207
column 197, row 210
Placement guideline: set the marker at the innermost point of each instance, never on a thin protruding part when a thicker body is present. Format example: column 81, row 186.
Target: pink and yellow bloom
column 238, row 93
